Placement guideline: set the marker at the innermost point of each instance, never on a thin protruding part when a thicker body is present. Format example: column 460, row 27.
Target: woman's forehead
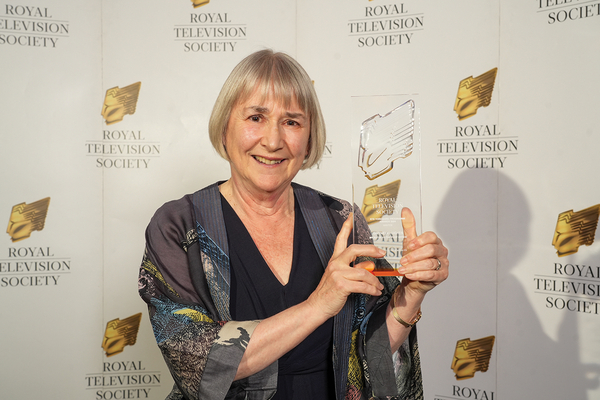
column 265, row 97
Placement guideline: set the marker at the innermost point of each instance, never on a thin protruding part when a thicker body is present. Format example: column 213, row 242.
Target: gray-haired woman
column 250, row 282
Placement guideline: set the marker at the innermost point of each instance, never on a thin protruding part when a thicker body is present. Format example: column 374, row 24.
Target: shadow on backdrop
column 485, row 222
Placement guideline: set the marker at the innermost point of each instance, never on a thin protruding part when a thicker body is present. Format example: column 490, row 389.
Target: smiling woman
column 252, row 289
column 277, row 77
column 266, row 144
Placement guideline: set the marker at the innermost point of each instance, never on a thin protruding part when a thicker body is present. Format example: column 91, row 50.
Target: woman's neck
column 261, row 205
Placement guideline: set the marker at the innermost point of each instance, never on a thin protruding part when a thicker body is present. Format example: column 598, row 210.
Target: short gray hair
column 268, row 71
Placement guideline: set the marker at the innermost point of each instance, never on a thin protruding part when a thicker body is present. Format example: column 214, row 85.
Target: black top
column 306, row 372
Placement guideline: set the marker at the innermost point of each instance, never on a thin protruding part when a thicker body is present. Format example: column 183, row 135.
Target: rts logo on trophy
column 387, row 175
column 378, row 201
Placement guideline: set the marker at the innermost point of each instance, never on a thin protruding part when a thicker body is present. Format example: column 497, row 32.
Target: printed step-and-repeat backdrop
column 104, row 118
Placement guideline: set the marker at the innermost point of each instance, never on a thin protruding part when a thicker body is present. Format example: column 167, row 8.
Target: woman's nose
column 272, row 137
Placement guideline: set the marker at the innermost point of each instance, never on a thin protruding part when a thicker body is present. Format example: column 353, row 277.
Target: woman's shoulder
column 180, row 210
column 172, row 210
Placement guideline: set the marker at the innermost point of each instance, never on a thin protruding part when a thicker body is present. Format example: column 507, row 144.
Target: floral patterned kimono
column 185, row 280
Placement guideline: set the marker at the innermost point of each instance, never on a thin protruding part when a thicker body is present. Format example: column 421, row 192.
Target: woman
column 249, row 282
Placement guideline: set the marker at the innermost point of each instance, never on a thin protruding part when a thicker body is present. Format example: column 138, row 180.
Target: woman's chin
column 272, row 186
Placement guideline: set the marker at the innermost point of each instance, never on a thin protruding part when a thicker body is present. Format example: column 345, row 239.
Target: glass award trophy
column 386, row 171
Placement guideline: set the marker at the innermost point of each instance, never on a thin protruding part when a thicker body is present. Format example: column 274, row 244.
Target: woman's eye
column 255, row 118
column 291, row 123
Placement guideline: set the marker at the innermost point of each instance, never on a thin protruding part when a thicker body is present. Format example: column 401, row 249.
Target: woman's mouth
column 266, row 161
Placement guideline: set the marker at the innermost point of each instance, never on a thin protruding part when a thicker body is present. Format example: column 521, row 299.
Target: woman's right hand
column 341, row 279
column 278, row 334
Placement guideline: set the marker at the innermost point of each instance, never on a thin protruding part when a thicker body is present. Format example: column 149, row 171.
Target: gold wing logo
column 26, row 218
column 119, row 334
column 471, row 356
column 574, row 229
column 380, row 201
column 200, row 3
column 474, row 93
column 119, row 102
column 383, row 140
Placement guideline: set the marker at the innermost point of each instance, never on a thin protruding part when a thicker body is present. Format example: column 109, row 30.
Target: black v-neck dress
column 306, row 372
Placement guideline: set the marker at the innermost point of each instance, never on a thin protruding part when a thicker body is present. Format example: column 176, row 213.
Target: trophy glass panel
column 386, row 171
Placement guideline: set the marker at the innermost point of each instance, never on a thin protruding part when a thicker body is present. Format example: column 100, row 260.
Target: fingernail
column 403, row 261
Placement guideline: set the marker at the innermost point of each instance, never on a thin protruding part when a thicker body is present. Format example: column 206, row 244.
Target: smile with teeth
column 266, row 161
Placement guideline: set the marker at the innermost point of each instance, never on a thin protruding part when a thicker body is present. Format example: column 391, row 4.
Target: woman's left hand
column 425, row 259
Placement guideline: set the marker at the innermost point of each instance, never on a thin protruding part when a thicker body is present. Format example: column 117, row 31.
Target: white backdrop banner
column 105, row 110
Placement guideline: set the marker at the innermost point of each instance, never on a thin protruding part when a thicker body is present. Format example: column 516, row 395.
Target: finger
column 362, row 273
column 367, row 264
column 354, row 251
column 427, row 251
column 428, row 266
column 408, row 224
column 431, row 276
column 341, row 240
column 427, row 238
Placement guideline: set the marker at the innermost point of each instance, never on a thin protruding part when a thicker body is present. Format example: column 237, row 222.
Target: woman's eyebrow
column 258, row 109
column 294, row 115
column 265, row 110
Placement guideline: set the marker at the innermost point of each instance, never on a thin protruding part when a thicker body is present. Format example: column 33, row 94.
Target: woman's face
column 266, row 143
